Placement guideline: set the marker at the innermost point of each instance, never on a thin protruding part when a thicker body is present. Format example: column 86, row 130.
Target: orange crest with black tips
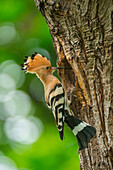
column 35, row 62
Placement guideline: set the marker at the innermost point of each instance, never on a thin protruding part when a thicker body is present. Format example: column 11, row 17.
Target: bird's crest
column 36, row 61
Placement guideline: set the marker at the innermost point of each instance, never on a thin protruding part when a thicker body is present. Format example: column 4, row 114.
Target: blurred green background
column 29, row 139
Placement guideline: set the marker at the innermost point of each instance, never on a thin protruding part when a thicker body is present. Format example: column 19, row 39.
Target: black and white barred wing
column 56, row 100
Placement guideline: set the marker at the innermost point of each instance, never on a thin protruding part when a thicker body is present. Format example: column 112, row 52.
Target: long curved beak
column 55, row 68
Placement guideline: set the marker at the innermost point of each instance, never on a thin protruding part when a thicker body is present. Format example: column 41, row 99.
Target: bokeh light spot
column 6, row 81
column 14, row 71
column 7, row 164
column 37, row 93
column 19, row 103
column 23, row 130
column 7, row 33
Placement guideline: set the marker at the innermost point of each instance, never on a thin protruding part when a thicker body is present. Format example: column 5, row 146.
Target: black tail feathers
column 83, row 131
column 61, row 134
column 84, row 136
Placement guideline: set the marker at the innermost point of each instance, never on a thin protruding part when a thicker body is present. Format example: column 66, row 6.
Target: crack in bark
column 95, row 89
column 78, row 73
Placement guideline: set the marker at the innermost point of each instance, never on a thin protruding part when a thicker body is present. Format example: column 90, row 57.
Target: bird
column 56, row 101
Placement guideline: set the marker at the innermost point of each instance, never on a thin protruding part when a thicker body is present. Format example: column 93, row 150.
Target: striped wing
column 56, row 103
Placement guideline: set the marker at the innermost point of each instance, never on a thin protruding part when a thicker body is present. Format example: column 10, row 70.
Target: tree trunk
column 82, row 33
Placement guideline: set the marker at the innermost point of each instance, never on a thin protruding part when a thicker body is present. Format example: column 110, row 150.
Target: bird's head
column 37, row 64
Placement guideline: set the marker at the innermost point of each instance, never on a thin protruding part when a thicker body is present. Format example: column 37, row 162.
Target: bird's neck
column 45, row 78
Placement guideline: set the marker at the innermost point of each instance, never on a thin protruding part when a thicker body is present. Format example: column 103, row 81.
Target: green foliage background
column 32, row 34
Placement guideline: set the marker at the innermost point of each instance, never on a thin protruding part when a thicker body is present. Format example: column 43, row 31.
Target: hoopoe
column 56, row 100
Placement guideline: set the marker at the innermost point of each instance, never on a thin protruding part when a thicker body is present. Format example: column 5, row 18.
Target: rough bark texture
column 82, row 32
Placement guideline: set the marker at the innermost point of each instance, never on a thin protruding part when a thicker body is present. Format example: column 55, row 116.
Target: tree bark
column 82, row 33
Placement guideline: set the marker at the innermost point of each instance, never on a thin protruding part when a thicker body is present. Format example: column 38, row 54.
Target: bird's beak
column 55, row 68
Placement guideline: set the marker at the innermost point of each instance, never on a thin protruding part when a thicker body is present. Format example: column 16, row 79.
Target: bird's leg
column 69, row 99
column 70, row 94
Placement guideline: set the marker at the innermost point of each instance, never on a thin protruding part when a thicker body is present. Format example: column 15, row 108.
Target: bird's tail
column 83, row 131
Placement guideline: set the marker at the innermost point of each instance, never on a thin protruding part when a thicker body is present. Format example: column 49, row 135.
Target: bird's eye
column 47, row 68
